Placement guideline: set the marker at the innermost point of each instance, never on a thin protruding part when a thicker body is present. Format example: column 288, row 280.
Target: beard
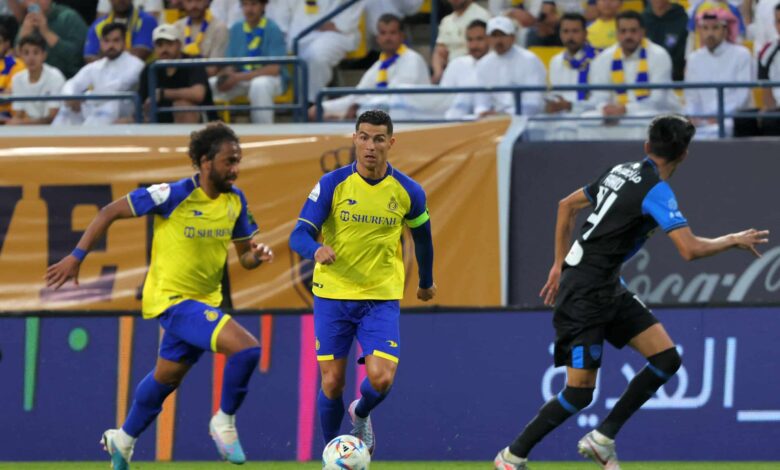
column 221, row 182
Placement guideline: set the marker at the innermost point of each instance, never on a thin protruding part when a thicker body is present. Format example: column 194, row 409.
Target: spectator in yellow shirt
column 9, row 66
column 601, row 33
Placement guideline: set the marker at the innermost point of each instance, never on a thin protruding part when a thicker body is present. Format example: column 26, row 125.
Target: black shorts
column 585, row 316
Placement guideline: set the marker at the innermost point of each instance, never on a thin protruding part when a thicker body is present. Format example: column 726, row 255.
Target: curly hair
column 206, row 142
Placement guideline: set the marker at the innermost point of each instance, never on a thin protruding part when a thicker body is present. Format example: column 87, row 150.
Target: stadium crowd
column 76, row 47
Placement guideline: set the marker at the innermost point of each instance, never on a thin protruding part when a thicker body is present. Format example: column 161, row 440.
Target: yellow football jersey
column 602, row 34
column 192, row 233
column 363, row 221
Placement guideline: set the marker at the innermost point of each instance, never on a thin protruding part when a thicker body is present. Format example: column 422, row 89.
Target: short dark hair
column 777, row 7
column 5, row 35
column 574, row 16
column 630, row 15
column 390, row 18
column 34, row 39
column 375, row 117
column 477, row 24
column 208, row 141
column 9, row 27
column 669, row 136
column 111, row 27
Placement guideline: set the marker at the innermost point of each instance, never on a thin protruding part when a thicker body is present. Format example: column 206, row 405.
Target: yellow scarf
column 134, row 24
column 518, row 3
column 311, row 7
column 618, row 75
column 385, row 62
column 192, row 47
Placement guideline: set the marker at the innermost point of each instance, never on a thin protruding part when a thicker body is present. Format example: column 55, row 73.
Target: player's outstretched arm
column 252, row 253
column 692, row 247
column 68, row 267
column 423, row 251
column 568, row 208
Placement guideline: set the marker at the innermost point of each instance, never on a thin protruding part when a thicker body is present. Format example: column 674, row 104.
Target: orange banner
column 52, row 187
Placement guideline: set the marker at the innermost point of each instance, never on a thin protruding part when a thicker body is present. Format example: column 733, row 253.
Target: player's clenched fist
column 325, row 255
column 426, row 294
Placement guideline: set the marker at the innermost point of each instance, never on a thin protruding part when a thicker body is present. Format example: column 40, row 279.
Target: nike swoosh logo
column 351, row 202
column 197, row 213
column 596, row 454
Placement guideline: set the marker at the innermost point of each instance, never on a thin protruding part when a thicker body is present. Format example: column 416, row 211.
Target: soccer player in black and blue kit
column 591, row 304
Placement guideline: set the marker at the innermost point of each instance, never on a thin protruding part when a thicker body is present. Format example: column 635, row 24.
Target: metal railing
column 316, row 25
column 128, row 95
column 518, row 91
column 434, row 24
column 299, row 82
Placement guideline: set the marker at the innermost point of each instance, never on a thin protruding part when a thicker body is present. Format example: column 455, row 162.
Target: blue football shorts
column 375, row 323
column 191, row 328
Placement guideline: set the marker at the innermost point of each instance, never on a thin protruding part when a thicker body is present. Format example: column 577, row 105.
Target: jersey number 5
column 604, row 201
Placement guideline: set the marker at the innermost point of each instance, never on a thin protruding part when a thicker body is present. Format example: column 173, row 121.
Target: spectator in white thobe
column 397, row 66
column 116, row 71
column 451, row 41
column 324, row 48
column 717, row 61
column 508, row 64
column 633, row 60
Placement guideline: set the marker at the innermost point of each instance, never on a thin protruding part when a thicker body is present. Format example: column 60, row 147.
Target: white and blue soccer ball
column 346, row 453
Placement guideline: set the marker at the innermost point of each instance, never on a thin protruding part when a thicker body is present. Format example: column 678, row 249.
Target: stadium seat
column 633, row 5
column 285, row 98
column 545, row 53
column 172, row 15
column 362, row 49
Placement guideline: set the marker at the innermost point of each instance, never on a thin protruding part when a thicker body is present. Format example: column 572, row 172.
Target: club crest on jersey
column 315, row 193
column 159, row 193
column 231, row 213
column 211, row 315
column 393, row 204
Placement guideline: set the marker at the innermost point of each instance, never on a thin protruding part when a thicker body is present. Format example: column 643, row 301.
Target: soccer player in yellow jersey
column 361, row 210
column 195, row 220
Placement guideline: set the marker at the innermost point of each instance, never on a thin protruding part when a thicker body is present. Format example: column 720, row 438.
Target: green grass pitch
column 391, row 466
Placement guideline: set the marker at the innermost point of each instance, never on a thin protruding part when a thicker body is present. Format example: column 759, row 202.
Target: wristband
column 79, row 254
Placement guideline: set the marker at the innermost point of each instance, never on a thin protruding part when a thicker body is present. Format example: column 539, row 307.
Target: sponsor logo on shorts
column 211, row 315
column 392, row 343
column 316, row 344
column 595, row 351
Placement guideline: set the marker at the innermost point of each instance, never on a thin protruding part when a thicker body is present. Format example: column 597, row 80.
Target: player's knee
column 382, row 381
column 249, row 355
column 666, row 363
column 333, row 384
column 170, row 378
column 575, row 399
column 260, row 85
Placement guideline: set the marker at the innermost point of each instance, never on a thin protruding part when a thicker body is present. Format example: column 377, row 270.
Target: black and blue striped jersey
column 629, row 201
